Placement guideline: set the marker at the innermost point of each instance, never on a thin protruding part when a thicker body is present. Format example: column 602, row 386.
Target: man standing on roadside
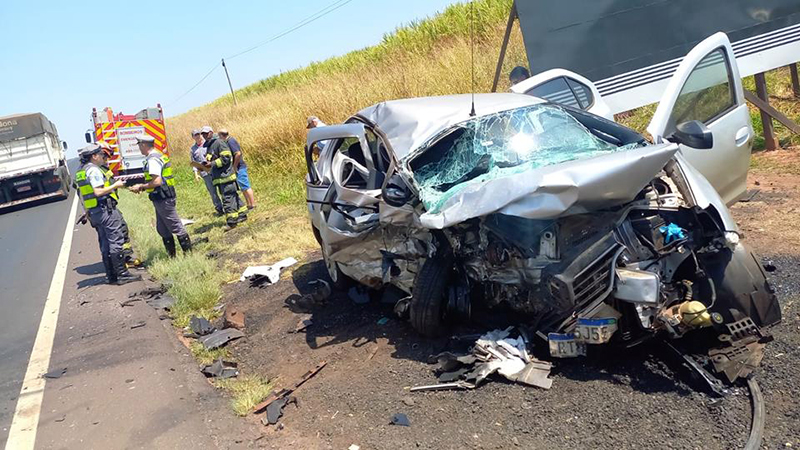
column 219, row 160
column 239, row 166
column 160, row 185
column 99, row 198
column 198, row 159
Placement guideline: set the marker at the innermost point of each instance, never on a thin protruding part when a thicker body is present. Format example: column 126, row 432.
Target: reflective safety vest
column 90, row 201
column 167, row 188
column 109, row 174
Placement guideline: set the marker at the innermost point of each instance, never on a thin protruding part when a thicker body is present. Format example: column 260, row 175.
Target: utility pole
column 233, row 94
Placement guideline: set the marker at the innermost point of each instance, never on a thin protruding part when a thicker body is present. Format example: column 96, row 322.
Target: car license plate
column 23, row 188
column 595, row 331
column 565, row 345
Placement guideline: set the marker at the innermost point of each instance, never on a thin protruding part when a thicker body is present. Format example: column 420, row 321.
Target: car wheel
column 428, row 297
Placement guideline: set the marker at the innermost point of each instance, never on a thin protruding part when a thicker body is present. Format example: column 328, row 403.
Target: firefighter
column 127, row 248
column 99, row 198
column 220, row 160
column 160, row 185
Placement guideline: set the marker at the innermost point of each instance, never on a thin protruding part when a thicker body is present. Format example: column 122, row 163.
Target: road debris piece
column 383, row 321
column 742, row 350
column 259, row 275
column 220, row 337
column 55, row 373
column 234, row 318
column 493, row 352
column 162, row 301
column 187, row 222
column 275, row 410
column 221, row 369
column 769, row 266
column 400, row 419
column 139, row 324
column 443, row 387
column 285, row 392
column 200, row 326
column 321, row 290
column 303, row 324
column 354, row 447
column 129, row 302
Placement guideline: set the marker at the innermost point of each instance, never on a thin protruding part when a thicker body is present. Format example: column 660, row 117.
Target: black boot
column 169, row 244
column 111, row 274
column 186, row 243
column 123, row 276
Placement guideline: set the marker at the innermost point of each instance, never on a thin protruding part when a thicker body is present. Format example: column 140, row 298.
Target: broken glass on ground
column 400, row 419
column 219, row 338
column 499, row 145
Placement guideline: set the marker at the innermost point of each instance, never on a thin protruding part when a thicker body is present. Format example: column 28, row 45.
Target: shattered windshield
column 499, row 145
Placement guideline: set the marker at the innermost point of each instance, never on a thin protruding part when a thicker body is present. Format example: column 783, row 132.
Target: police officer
column 127, row 248
column 223, row 176
column 99, row 199
column 160, row 185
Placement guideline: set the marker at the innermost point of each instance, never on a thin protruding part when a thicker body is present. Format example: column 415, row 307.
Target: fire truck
column 120, row 132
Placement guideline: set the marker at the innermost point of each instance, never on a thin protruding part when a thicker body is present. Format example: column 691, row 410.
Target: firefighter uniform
column 224, row 178
column 168, row 223
column 104, row 216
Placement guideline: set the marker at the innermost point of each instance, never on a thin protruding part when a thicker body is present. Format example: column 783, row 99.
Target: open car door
column 707, row 88
column 565, row 88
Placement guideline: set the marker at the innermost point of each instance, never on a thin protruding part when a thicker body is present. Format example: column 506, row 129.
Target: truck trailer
column 33, row 164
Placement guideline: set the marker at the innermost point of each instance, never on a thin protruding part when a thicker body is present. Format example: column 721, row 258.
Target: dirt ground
column 609, row 400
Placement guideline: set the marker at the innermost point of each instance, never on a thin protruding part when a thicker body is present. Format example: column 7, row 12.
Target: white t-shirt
column 95, row 177
column 154, row 167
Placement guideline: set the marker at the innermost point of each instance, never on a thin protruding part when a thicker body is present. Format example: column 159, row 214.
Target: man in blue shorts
column 242, row 178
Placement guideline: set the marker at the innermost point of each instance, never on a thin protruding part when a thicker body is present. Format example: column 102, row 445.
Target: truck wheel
column 66, row 183
column 428, row 297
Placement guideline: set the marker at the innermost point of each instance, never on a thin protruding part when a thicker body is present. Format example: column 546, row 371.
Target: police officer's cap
column 89, row 150
column 146, row 140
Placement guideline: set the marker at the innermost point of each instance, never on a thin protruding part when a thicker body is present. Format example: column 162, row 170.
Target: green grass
column 206, row 357
column 247, row 391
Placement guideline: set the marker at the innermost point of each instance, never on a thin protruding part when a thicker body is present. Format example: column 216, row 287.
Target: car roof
column 410, row 123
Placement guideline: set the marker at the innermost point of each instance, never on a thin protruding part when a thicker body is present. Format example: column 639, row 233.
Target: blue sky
column 62, row 58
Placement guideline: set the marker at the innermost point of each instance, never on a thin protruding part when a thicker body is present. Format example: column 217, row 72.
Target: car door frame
column 726, row 164
column 598, row 105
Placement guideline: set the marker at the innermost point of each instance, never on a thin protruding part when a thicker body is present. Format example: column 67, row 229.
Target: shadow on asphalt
column 91, row 269
column 341, row 320
column 89, row 282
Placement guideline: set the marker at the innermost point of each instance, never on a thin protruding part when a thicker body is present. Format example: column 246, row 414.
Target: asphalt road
column 30, row 239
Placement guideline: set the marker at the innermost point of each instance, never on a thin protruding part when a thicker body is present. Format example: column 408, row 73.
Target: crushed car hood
column 573, row 187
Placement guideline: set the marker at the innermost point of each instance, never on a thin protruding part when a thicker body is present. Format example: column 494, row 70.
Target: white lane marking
column 22, row 435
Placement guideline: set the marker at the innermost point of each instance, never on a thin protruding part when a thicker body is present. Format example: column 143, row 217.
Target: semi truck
column 120, row 132
column 32, row 160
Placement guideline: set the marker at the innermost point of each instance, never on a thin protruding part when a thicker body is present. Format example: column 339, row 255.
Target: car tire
column 428, row 300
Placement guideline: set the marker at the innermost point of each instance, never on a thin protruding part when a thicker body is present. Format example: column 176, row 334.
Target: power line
column 196, row 84
column 308, row 20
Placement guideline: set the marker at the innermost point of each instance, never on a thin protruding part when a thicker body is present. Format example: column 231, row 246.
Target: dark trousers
column 232, row 205
column 167, row 220
column 108, row 223
column 212, row 191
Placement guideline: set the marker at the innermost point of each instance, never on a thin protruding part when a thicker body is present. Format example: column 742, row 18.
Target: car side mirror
column 396, row 192
column 88, row 137
column 693, row 134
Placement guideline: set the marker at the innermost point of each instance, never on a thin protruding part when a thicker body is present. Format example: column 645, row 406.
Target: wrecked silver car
column 580, row 226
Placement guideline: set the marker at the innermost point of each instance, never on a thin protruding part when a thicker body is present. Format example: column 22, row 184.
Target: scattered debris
column 275, row 410
column 358, row 294
column 400, row 419
column 139, row 324
column 769, row 266
column 267, row 274
column 162, row 301
column 373, row 352
column 129, row 380
column 147, row 293
column 383, row 321
column 285, row 392
column 200, row 326
column 55, row 373
column 354, row 447
column 221, row 369
column 493, row 352
column 83, row 302
column 303, row 324
column 220, row 337
column 752, row 195
column 408, row 401
column 321, row 290
column 234, row 318
column 62, row 418
column 187, row 221
column 130, row 301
